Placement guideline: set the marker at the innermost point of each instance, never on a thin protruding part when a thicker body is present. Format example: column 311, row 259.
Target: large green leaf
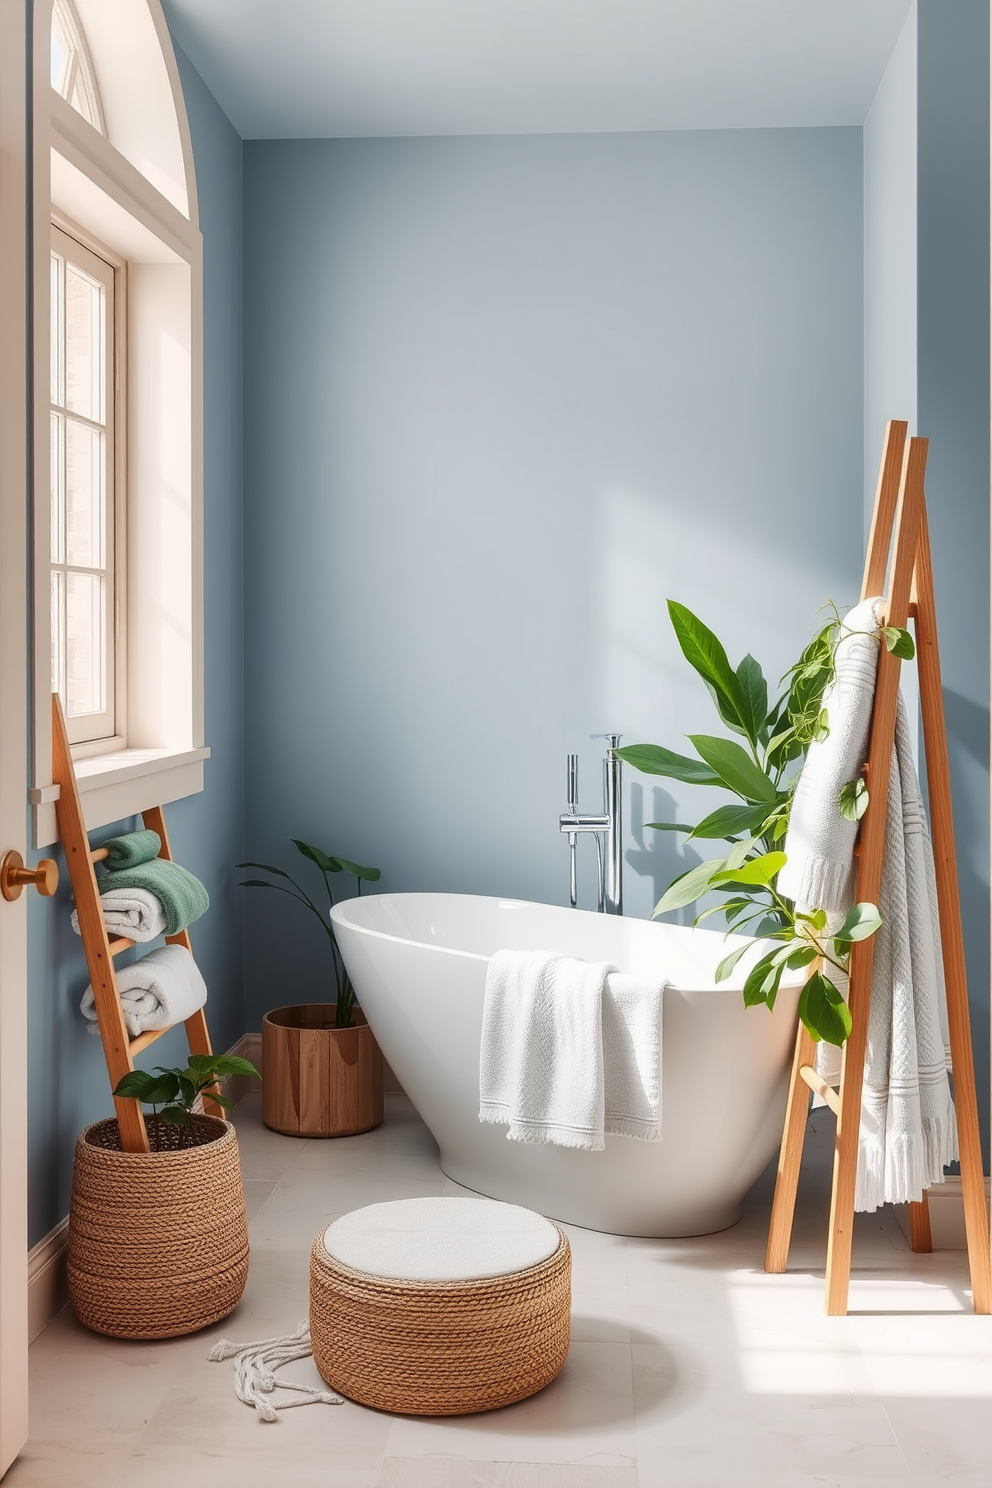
column 754, row 695
column 688, row 888
column 824, row 1011
column 654, row 759
column 861, row 921
column 728, row 821
column 728, row 963
column 369, row 875
column 668, row 826
column 703, row 651
column 899, row 642
column 853, row 799
column 762, row 982
column 318, row 856
column 758, row 871
column 735, row 767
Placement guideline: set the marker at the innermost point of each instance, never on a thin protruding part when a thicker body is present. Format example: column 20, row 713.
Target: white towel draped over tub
column 908, row 1132
column 163, row 988
column 136, row 914
column 571, row 1051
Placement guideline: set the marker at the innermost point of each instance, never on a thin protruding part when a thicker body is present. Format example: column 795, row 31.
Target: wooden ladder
column 118, row 1046
column 899, row 522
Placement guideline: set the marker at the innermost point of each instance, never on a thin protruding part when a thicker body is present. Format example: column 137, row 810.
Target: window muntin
column 71, row 69
column 83, row 515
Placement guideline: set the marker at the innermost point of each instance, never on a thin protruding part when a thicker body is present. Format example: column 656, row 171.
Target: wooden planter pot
column 158, row 1241
column 318, row 1080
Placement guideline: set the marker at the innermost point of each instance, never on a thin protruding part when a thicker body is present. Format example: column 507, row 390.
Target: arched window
column 118, row 413
column 72, row 70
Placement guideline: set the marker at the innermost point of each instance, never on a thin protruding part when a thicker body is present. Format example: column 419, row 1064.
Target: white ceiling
column 297, row 69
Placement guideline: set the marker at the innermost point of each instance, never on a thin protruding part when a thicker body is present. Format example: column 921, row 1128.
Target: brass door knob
column 14, row 877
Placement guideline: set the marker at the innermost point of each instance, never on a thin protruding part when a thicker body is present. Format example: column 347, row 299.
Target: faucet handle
column 613, row 738
column 573, row 780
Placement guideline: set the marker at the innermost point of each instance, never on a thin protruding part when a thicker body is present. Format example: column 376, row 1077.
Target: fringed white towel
column 135, row 913
column 543, row 1072
column 162, row 989
column 255, row 1364
column 908, row 1132
column 632, row 1057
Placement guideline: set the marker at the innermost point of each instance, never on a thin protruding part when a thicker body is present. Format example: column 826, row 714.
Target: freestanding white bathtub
column 418, row 963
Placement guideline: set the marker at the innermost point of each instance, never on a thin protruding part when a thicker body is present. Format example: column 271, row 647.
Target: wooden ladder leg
column 976, row 1214
column 871, row 853
column 920, row 1238
column 790, row 1157
column 93, row 931
column 841, row 1231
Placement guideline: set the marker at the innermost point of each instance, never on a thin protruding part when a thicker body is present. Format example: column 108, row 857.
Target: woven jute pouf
column 440, row 1306
column 158, row 1242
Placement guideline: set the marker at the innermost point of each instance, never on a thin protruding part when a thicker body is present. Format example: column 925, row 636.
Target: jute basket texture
column 158, row 1242
column 439, row 1348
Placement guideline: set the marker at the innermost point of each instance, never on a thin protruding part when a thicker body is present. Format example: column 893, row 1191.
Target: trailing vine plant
column 761, row 775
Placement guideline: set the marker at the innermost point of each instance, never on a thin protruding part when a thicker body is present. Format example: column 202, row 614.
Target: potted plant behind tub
column 322, row 1065
column 158, row 1240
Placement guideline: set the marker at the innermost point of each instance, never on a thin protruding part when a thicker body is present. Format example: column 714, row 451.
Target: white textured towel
column 163, row 988
column 908, row 1131
column 134, row 913
column 570, row 1050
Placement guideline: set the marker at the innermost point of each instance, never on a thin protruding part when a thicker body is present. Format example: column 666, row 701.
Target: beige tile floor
column 688, row 1365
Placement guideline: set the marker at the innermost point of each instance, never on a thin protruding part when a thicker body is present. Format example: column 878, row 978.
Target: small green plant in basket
column 328, row 865
column 759, row 772
column 172, row 1093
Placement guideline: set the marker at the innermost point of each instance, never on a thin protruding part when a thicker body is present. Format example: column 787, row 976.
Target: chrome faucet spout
column 607, row 824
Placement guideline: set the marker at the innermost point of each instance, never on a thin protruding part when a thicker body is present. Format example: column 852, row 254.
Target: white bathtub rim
column 340, row 915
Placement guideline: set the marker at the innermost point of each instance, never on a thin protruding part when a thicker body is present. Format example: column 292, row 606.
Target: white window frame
column 94, row 734
column 133, row 192
column 79, row 73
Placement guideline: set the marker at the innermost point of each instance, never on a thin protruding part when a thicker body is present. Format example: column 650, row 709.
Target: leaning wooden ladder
column 118, row 1046
column 899, row 522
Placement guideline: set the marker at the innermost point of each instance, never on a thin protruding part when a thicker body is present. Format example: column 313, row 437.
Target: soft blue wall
column 953, row 374
column 67, row 1076
column 503, row 396
column 890, row 252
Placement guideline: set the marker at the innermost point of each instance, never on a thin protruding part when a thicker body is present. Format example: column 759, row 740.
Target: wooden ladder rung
column 99, row 855
column 820, row 1087
column 121, row 943
column 144, row 1039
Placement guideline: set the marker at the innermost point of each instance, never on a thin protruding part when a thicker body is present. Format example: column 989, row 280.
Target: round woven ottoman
column 440, row 1307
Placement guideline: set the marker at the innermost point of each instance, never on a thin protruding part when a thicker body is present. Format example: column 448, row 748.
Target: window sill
column 121, row 784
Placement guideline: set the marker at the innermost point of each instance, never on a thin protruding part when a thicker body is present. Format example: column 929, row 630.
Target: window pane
column 84, row 350
column 57, row 329
column 84, row 496
column 58, row 633
column 61, row 54
column 58, row 488
column 84, row 644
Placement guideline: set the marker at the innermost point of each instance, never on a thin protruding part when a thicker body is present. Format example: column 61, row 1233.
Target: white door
column 13, row 735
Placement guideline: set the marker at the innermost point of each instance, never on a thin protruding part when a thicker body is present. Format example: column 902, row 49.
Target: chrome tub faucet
column 607, row 827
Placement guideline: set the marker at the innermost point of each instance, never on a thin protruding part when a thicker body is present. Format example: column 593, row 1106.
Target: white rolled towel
column 134, row 913
column 163, row 988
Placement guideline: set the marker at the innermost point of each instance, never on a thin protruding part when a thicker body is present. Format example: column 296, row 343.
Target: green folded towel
column 131, row 849
column 182, row 896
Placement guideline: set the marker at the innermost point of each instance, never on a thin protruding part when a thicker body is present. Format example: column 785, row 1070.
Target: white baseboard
column 946, row 1205
column 47, row 1289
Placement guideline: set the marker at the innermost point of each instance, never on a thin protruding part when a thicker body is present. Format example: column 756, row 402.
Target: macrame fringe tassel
column 254, row 1377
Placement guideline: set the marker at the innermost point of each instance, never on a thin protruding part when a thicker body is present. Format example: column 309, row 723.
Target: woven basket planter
column 439, row 1348
column 158, row 1242
column 319, row 1081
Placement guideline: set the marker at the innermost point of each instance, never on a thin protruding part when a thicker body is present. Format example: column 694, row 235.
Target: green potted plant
column 323, row 1068
column 158, row 1241
column 760, row 773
